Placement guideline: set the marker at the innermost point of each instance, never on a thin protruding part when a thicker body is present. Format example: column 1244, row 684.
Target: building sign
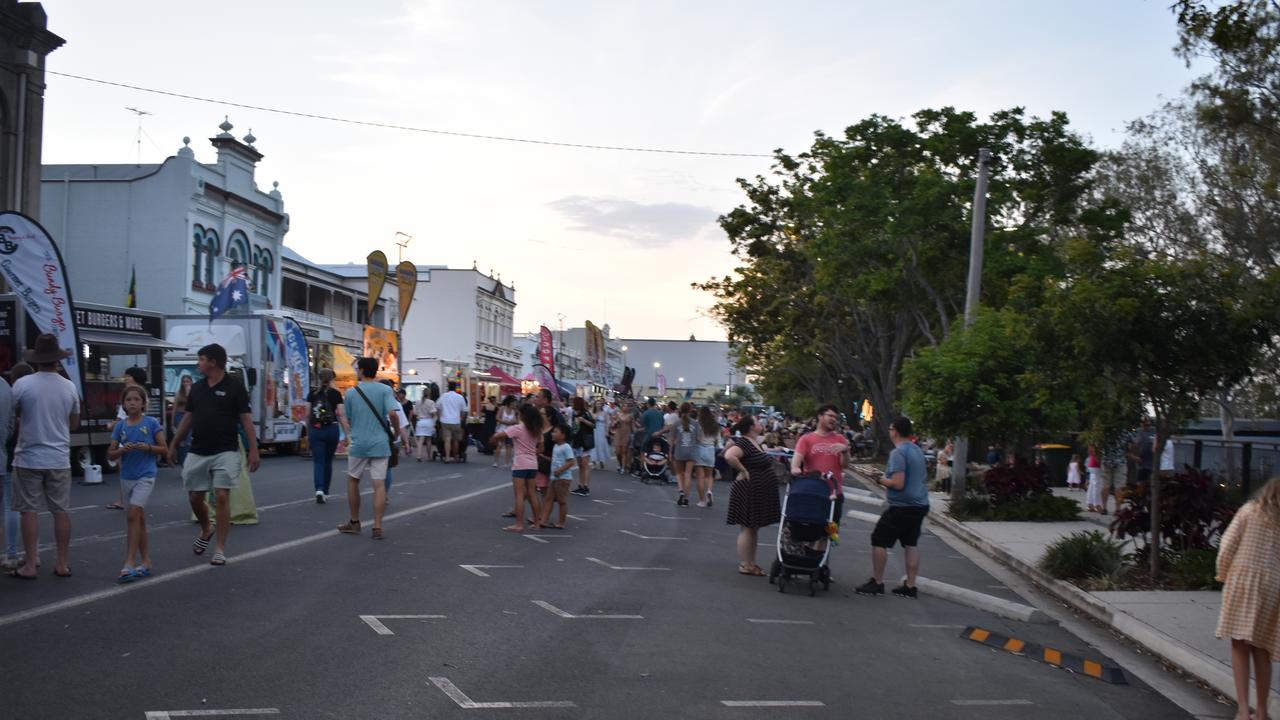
column 384, row 345
column 118, row 321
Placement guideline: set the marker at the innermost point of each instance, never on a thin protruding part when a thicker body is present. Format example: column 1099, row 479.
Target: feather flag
column 131, row 299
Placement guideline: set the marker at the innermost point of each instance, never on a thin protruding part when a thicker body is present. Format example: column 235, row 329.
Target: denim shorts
column 523, row 474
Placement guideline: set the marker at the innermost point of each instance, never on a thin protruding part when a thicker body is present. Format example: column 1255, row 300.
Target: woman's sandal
column 513, row 529
column 218, row 559
column 747, row 569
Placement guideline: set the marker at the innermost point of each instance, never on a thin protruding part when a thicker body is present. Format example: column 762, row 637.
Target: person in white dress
column 604, row 420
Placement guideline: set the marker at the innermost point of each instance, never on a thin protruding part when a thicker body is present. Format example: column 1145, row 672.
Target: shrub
column 971, row 507
column 1195, row 569
column 1083, row 555
column 1005, row 484
column 1194, row 513
column 1038, row 508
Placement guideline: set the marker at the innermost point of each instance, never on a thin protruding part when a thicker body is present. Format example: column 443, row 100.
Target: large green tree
column 853, row 254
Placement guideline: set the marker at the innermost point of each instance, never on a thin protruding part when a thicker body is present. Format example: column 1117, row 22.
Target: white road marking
column 598, row 561
column 670, row 517
column 623, row 491
column 645, row 537
column 557, row 611
column 167, row 714
column 606, row 502
column 864, row 516
column 475, row 569
column 939, row 627
column 772, row 703
column 780, row 622
column 168, row 577
column 992, row 702
column 455, row 694
column 539, row 538
column 375, row 621
column 582, row 517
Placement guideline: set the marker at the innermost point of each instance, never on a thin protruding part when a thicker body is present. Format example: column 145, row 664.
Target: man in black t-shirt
column 217, row 409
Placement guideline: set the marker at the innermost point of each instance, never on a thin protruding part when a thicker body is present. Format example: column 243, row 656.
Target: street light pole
column 960, row 459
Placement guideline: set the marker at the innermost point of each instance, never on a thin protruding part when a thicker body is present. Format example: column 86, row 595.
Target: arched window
column 211, row 248
column 197, row 253
column 238, row 249
column 262, row 267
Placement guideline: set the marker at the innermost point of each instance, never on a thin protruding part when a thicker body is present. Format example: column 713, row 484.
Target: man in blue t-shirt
column 652, row 420
column 375, row 426
column 905, row 477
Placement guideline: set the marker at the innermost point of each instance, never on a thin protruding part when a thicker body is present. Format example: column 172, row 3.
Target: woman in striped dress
column 753, row 497
column 1250, row 613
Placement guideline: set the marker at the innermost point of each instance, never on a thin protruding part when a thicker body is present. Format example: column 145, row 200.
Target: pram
column 655, row 462
column 437, row 444
column 804, row 537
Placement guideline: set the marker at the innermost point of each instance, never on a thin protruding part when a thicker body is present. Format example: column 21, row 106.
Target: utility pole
column 960, row 460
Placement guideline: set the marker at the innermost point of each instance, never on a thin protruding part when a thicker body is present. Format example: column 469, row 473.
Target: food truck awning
column 107, row 337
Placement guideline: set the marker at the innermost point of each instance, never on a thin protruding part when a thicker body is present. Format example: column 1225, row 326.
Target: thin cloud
column 650, row 225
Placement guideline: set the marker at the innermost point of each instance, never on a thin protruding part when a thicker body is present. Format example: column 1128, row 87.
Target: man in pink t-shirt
column 826, row 451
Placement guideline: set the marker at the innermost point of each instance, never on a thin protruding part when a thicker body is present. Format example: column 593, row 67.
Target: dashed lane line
column 764, row 621
column 168, row 577
column 598, row 561
column 168, row 714
column 772, row 703
column 991, row 702
column 539, row 538
column 670, row 517
column 646, row 537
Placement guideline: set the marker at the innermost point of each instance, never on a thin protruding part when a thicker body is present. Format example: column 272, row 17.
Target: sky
column 613, row 237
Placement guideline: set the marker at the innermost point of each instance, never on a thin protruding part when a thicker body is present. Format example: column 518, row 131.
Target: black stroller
column 804, row 544
column 655, row 462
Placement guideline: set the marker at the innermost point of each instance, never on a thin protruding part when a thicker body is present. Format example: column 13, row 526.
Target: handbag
column 394, row 458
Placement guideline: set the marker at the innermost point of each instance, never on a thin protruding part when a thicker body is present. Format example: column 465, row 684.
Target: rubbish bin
column 1057, row 457
column 92, row 475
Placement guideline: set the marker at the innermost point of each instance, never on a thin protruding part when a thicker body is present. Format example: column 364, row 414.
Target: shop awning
column 504, row 379
column 107, row 337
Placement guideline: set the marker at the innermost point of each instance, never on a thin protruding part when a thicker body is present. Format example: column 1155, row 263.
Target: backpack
column 322, row 414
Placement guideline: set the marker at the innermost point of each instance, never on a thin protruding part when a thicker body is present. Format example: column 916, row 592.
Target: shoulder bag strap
column 381, row 420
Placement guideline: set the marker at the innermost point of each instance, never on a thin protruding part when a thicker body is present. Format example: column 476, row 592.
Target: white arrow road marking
column 167, row 714
column 467, row 703
column 598, row 561
column 670, row 517
column 475, row 569
column 646, row 537
column 557, row 611
column 375, row 621
column 772, row 703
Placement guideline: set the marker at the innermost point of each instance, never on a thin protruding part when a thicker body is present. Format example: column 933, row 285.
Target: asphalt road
column 280, row 628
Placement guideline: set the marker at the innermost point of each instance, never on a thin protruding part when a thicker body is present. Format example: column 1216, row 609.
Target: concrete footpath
column 1177, row 627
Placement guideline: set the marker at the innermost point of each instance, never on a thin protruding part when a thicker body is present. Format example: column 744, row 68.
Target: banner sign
column 547, row 379
column 594, row 351
column 662, row 384
column 377, row 278
column 299, row 377
column 407, row 281
column 384, row 345
column 9, row 351
column 33, row 267
column 546, row 350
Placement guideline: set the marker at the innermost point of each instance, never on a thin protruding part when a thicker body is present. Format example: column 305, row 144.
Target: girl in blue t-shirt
column 136, row 441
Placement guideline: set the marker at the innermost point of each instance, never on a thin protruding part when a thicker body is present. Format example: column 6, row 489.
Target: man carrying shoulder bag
column 371, row 412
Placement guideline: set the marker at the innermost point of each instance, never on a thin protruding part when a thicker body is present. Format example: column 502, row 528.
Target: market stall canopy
column 569, row 389
column 107, row 337
column 504, row 379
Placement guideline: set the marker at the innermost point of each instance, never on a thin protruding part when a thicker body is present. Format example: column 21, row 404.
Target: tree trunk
column 1227, row 416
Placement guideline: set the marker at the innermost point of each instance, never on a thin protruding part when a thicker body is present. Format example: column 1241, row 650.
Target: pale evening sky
column 612, row 237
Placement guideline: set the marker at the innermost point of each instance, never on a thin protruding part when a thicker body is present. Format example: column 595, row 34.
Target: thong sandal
column 202, row 543
column 745, row 569
column 20, row 576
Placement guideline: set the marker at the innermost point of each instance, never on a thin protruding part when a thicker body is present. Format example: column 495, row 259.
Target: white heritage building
column 180, row 226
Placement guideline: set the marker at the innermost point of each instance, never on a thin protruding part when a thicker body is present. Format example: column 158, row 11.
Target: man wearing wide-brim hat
column 48, row 408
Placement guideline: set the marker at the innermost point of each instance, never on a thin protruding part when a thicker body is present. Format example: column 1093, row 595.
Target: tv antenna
column 139, row 113
column 402, row 244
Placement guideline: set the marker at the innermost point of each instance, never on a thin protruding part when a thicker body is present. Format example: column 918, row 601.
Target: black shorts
column 899, row 524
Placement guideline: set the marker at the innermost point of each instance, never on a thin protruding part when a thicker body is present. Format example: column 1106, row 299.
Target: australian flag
column 232, row 291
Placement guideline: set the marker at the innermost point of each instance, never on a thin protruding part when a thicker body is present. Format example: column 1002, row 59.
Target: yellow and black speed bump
column 1057, row 658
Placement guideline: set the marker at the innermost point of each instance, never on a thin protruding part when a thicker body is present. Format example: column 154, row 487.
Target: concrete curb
column 1179, row 654
column 981, row 601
